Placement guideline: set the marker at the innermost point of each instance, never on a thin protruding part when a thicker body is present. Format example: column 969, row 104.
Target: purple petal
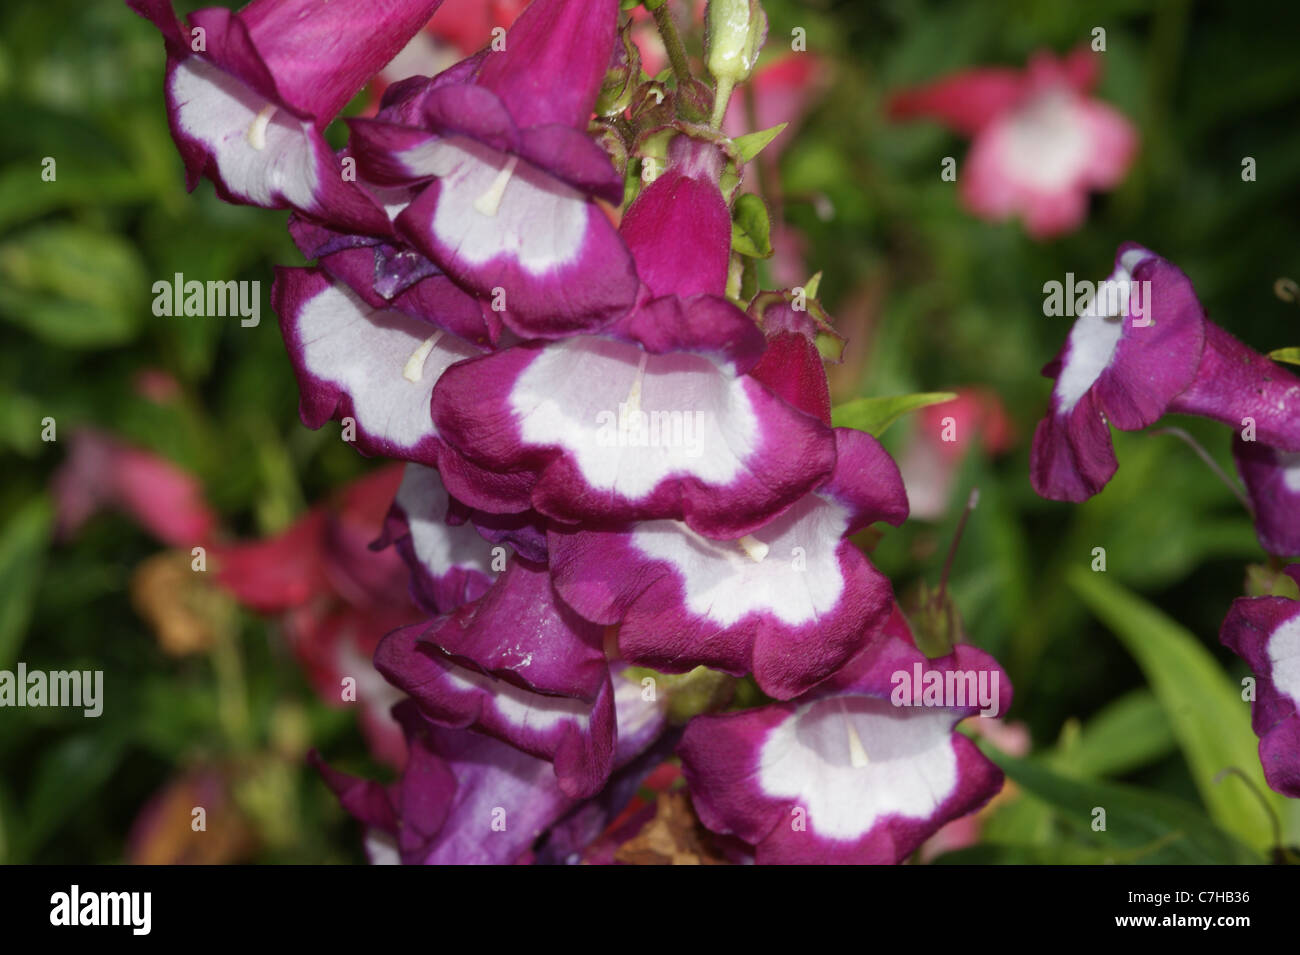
column 679, row 229
column 545, row 256
column 845, row 774
column 554, row 61
column 1272, row 480
column 791, row 602
column 1265, row 632
column 589, row 429
column 451, row 565
column 577, row 736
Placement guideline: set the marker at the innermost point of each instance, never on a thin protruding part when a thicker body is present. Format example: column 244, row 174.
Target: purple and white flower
column 790, row 602
column 1143, row 348
column 851, row 772
column 1265, row 632
column 249, row 94
column 1272, row 480
column 508, row 210
column 656, row 417
column 376, row 367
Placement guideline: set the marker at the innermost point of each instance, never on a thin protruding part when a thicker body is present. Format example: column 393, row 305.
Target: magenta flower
column 1140, row 349
column 862, row 769
column 376, row 367
column 544, row 688
column 1265, row 632
column 467, row 798
column 508, row 174
column 655, row 417
column 1040, row 143
column 249, row 94
column 1272, row 480
column 790, row 602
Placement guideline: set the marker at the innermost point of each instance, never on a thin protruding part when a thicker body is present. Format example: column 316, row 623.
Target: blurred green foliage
column 932, row 299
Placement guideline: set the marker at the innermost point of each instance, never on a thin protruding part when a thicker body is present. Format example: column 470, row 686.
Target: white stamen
column 633, row 403
column 414, row 369
column 490, row 201
column 257, row 129
column 857, row 752
column 754, row 548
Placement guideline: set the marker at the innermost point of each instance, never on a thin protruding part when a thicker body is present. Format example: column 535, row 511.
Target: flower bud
column 736, row 31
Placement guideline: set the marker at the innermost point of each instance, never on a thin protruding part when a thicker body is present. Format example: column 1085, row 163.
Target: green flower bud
column 736, row 31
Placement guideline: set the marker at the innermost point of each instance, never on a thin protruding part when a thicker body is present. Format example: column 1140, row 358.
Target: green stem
column 721, row 97
column 672, row 43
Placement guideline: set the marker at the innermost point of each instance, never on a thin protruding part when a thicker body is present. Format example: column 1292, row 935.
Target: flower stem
column 721, row 97
column 672, row 43
column 971, row 503
column 1212, row 464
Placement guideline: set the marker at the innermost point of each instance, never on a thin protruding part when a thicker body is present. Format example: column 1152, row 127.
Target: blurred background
column 211, row 700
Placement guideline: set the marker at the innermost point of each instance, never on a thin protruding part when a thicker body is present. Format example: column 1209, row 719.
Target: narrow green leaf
column 1205, row 710
column 875, row 415
column 1289, row 355
column 1140, row 826
column 751, row 144
column 22, row 552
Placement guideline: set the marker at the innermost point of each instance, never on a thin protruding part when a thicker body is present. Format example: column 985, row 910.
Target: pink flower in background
column 336, row 598
column 461, row 28
column 102, row 473
column 944, row 433
column 1040, row 143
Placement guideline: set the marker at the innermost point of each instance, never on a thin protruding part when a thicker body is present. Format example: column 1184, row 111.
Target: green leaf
column 1128, row 733
column 71, row 772
column 22, row 552
column 72, row 286
column 875, row 415
column 751, row 144
column 1141, row 826
column 751, row 230
column 1001, row 853
column 1289, row 355
column 1205, row 710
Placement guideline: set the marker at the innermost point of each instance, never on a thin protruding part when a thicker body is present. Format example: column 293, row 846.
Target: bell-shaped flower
column 1040, row 143
column 1140, row 348
column 468, row 798
column 656, row 417
column 790, row 602
column 508, row 210
column 862, row 769
column 519, row 665
column 1265, row 632
column 372, row 369
column 249, row 94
